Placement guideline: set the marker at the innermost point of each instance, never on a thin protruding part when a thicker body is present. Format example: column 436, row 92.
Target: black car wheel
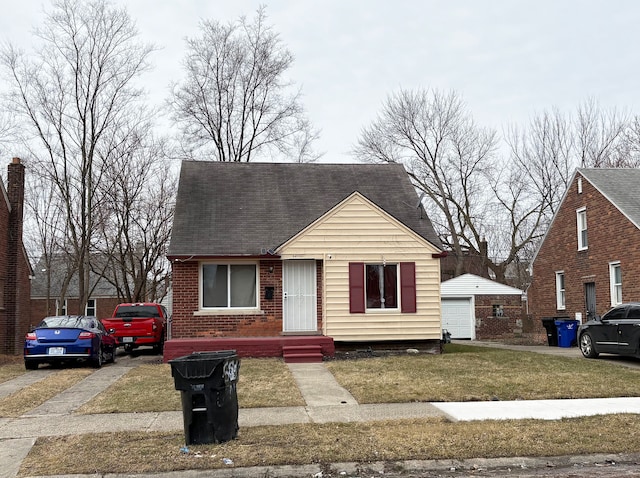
column 128, row 348
column 30, row 365
column 97, row 362
column 159, row 348
column 587, row 347
column 112, row 358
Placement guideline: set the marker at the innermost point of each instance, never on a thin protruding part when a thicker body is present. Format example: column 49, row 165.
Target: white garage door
column 457, row 318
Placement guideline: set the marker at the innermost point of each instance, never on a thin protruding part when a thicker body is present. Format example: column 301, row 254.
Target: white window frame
column 63, row 310
column 579, row 185
column 398, row 290
column 581, row 223
column 230, row 309
column 615, row 287
column 561, row 296
column 94, row 307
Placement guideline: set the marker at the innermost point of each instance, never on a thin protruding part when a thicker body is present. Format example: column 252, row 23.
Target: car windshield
column 71, row 321
column 137, row 311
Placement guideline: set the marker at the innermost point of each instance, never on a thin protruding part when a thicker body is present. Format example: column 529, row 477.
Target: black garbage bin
column 549, row 324
column 207, row 382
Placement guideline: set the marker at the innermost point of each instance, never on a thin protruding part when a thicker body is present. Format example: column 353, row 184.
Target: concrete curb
column 510, row 466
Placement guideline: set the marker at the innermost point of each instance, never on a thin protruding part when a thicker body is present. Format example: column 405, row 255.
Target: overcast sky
column 507, row 59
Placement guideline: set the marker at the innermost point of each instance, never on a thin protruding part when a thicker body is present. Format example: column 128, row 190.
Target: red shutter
column 356, row 287
column 408, row 287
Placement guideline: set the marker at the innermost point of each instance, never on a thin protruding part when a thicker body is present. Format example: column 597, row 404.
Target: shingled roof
column 620, row 187
column 247, row 208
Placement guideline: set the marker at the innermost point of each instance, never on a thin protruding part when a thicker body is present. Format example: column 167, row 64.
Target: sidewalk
column 326, row 402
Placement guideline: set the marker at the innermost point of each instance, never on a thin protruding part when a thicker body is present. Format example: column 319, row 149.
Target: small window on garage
column 498, row 310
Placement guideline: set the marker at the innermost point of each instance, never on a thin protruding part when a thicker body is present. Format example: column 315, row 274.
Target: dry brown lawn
column 462, row 373
column 390, row 441
column 468, row 373
column 150, row 388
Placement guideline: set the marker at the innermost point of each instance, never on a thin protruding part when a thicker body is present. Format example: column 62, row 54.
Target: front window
column 229, row 286
column 560, row 292
column 615, row 280
column 582, row 229
column 91, row 308
column 382, row 286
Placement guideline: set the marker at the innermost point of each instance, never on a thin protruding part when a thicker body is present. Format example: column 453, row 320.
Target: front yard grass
column 150, row 388
column 390, row 441
column 470, row 373
column 462, row 373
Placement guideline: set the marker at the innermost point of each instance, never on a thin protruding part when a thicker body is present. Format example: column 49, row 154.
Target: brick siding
column 266, row 323
column 508, row 326
column 611, row 237
column 14, row 265
column 39, row 309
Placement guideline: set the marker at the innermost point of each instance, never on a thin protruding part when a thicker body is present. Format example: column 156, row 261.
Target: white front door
column 299, row 301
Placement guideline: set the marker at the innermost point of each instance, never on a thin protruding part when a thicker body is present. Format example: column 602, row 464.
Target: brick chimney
column 13, row 294
column 15, row 191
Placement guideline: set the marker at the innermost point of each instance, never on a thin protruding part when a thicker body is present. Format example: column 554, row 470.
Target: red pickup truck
column 134, row 325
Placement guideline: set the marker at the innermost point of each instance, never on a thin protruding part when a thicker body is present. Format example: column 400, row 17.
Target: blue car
column 67, row 338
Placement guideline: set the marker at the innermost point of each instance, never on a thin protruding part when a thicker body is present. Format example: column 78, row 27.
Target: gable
column 612, row 187
column 619, row 187
column 241, row 209
column 470, row 284
column 355, row 223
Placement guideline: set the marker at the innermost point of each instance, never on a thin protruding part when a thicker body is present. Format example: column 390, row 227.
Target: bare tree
column 45, row 234
column 75, row 94
column 544, row 156
column 136, row 225
column 447, row 155
column 599, row 136
column 630, row 146
column 234, row 103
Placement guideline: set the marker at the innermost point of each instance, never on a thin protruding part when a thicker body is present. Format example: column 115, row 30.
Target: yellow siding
column 358, row 231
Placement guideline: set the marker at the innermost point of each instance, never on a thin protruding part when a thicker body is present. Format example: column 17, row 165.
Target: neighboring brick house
column 589, row 258
column 50, row 297
column 337, row 251
column 14, row 264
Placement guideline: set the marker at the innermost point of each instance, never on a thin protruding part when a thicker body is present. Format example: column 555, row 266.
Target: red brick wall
column 268, row 323
column 508, row 326
column 104, row 308
column 4, row 285
column 14, row 265
column 611, row 237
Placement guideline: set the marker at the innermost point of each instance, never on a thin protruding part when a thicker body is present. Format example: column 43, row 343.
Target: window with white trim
column 381, row 286
column 90, row 309
column 228, row 286
column 615, row 281
column 61, row 309
column 560, row 292
column 581, row 217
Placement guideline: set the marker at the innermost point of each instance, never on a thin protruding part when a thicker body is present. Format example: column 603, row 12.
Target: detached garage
column 477, row 308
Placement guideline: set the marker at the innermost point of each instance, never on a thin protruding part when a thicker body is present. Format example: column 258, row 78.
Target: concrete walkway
column 326, row 401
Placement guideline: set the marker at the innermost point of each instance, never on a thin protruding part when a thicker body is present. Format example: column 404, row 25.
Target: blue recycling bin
column 567, row 332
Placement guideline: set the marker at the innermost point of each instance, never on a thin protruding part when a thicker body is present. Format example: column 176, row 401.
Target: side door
column 605, row 335
column 629, row 331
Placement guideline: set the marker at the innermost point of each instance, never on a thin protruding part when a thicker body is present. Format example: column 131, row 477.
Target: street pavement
column 326, row 401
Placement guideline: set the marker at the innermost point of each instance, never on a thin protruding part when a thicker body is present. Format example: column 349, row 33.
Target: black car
column 616, row 332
